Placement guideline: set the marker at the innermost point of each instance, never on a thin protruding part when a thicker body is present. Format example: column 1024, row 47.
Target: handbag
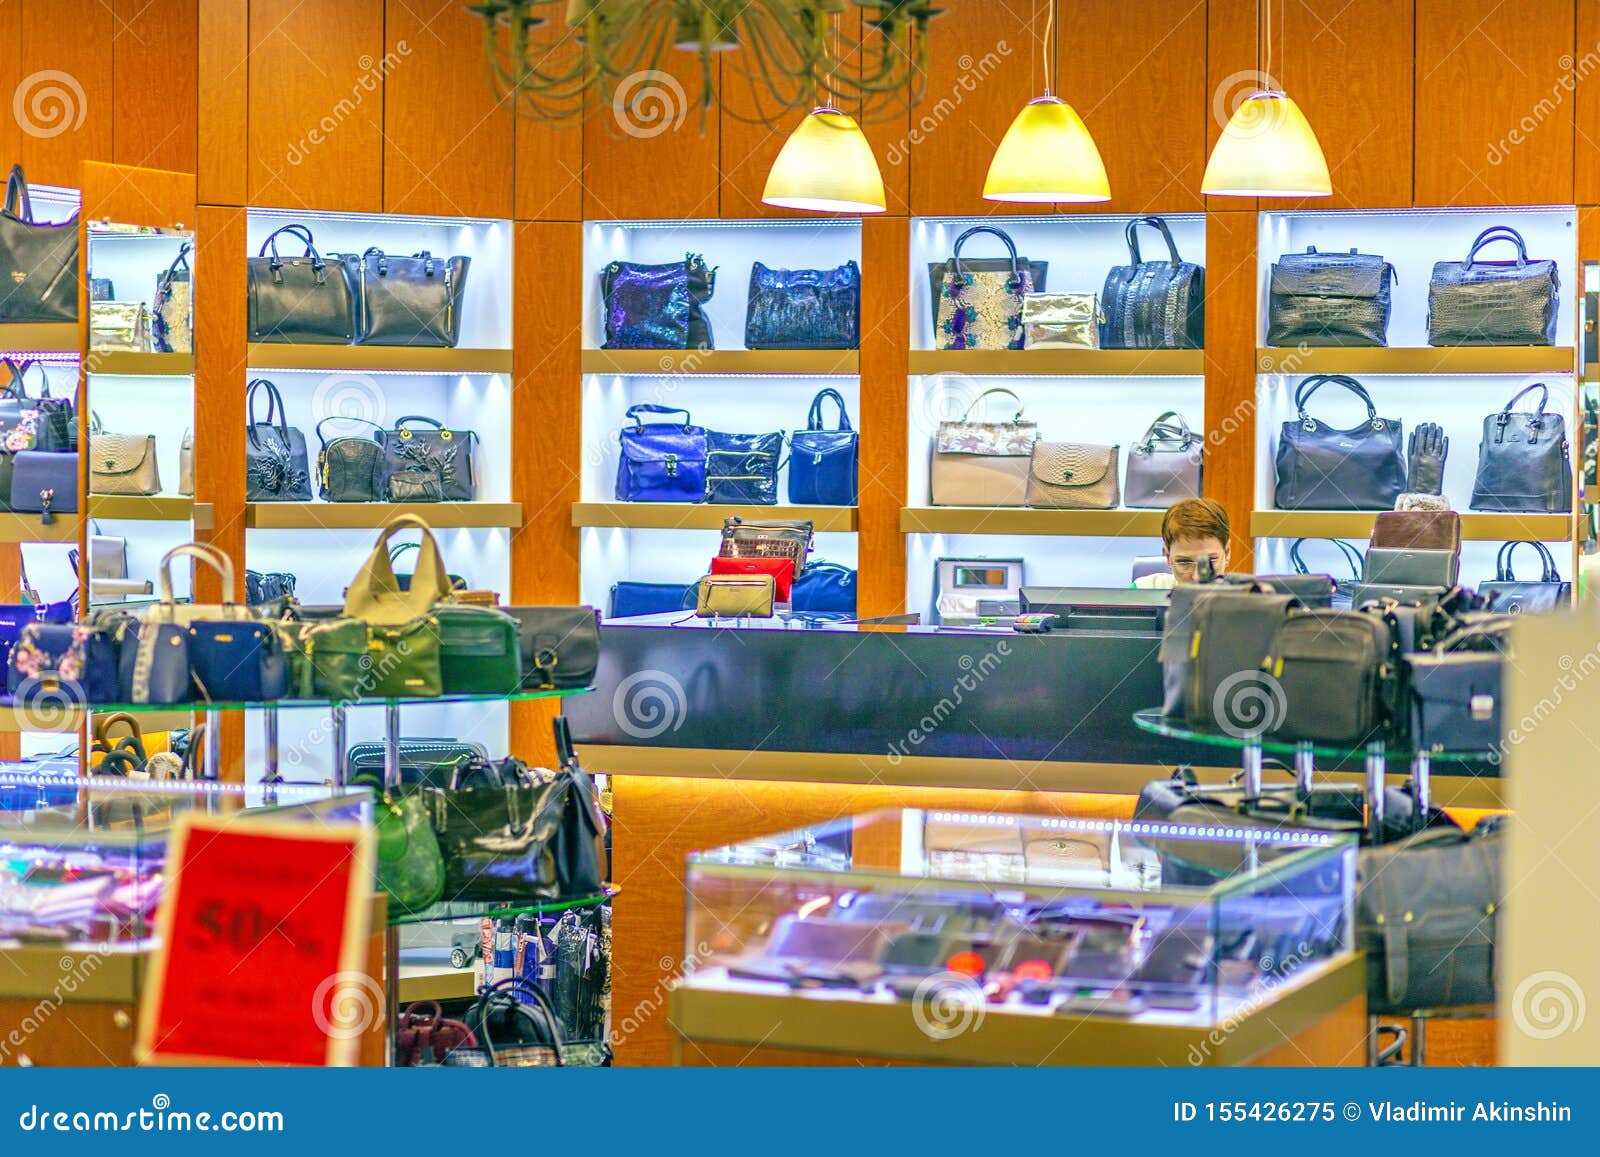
column 46, row 423
column 803, row 309
column 277, row 468
column 152, row 662
column 172, row 317
column 1153, row 305
column 742, row 469
column 1329, row 299
column 432, row 454
column 168, row 609
column 657, row 307
column 376, row 596
column 774, row 538
column 1456, row 699
column 350, row 468
column 827, row 588
column 267, row 587
column 16, row 616
column 123, row 464
column 1424, row 568
column 44, row 484
column 237, row 662
column 781, row 570
column 410, row 301
column 410, row 867
column 479, row 651
column 307, row 299
column 1475, row 302
column 977, row 304
column 629, row 599
column 1523, row 460
column 1336, row 677
column 1417, row 529
column 119, row 326
column 822, row 462
column 1402, row 594
column 401, row 549
column 1073, row 476
column 1509, row 595
column 40, row 260
column 186, row 464
column 55, row 665
column 661, row 461
column 514, row 1026
column 1231, row 629
column 734, row 596
column 424, row 762
column 425, row 1034
column 982, row 463
column 1350, row 553
column 1164, row 465
column 1061, row 321
column 560, row 646
column 1321, row 468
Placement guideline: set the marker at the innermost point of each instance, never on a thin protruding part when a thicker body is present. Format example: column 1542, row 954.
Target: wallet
column 781, row 570
column 1411, row 566
column 732, row 596
column 1417, row 529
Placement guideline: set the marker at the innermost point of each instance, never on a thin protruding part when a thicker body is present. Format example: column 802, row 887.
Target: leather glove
column 1425, row 457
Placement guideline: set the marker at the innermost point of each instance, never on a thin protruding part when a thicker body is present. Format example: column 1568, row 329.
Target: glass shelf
column 325, row 704
column 447, row 910
column 1153, row 721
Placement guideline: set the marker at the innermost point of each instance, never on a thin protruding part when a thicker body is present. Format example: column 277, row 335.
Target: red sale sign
column 263, row 934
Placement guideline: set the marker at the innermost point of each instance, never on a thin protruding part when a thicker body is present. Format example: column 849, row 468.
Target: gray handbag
column 1329, row 299
column 1523, row 460
column 307, row 299
column 1475, row 302
column 1164, row 465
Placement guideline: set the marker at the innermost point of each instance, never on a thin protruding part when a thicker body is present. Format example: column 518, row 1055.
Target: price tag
column 263, row 938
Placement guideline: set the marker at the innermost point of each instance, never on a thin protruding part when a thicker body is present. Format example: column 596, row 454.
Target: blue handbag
column 822, row 463
column 44, row 483
column 56, row 665
column 16, row 616
column 662, row 461
column 635, row 598
column 824, row 588
column 803, row 309
column 237, row 662
column 743, row 468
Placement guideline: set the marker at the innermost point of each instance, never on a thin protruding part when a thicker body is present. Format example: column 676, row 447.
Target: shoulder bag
column 410, row 868
column 977, row 304
column 123, row 464
column 479, row 650
column 413, row 301
column 1476, row 302
column 1329, row 299
column 657, row 307
column 661, row 461
column 376, row 596
column 983, row 463
column 38, row 261
column 308, row 300
column 1523, row 460
column 350, row 467
column 822, row 462
column 803, row 309
column 742, row 469
column 1073, row 476
column 1335, row 675
column 44, row 484
column 1153, row 305
column 560, row 645
column 172, row 317
column 276, row 465
column 1164, row 465
column 428, row 460
column 1508, row 595
column 1231, row 629
column 1321, row 468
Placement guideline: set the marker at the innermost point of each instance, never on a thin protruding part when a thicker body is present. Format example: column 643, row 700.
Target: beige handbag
column 375, row 595
column 982, row 463
column 186, row 464
column 733, row 596
column 1061, row 321
column 1072, row 476
column 119, row 326
column 123, row 464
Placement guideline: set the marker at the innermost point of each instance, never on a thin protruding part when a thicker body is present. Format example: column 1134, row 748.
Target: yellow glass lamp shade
column 826, row 166
column 1267, row 150
column 1047, row 155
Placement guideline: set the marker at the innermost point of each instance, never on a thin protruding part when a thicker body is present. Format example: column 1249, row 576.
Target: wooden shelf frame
column 372, row 515
column 377, row 358
column 125, row 363
column 685, row 363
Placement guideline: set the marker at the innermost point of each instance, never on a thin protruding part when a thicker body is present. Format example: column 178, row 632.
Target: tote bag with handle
column 376, row 595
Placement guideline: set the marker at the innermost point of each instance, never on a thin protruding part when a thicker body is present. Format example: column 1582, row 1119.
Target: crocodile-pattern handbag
column 1329, row 299
column 977, row 304
column 1476, row 302
column 803, row 309
column 1153, row 305
column 1073, row 476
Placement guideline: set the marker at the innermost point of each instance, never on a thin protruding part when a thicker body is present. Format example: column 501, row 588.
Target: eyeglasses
column 1182, row 565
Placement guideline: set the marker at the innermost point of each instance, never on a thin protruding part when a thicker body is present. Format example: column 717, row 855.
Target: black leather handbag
column 308, row 300
column 429, row 762
column 560, row 646
column 1323, row 468
column 1292, row 584
column 38, row 261
column 1456, row 699
column 1476, row 302
column 413, row 301
column 1524, row 463
column 276, row 466
column 1329, row 299
column 803, row 309
column 742, row 469
column 1153, row 305
column 350, row 467
column 1231, row 629
column 1509, row 595
column 429, row 463
column 1336, row 676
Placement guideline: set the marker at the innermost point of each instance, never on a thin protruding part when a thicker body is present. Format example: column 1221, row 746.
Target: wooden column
column 885, row 344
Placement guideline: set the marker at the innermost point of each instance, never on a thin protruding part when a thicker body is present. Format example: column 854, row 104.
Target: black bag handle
column 651, row 408
column 509, row 994
column 400, row 423
column 181, row 261
column 1544, row 400
column 814, row 418
column 275, row 407
column 1547, row 562
column 1352, row 555
column 1302, row 395
column 1131, row 233
column 343, row 418
column 301, row 233
column 1011, row 248
column 18, row 203
column 1499, row 233
column 1161, row 431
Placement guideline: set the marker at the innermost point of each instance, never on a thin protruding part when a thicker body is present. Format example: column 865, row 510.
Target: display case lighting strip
column 1054, row 219
column 669, row 375
column 713, row 223
column 290, row 215
column 58, row 195
column 45, row 357
column 349, row 372
column 195, row 787
column 1439, row 211
column 1141, row 828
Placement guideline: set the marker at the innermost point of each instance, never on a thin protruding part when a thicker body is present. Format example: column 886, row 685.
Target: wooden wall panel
column 155, row 76
column 136, row 196
column 447, row 147
column 650, row 159
column 1494, row 110
column 1586, row 107
column 64, row 88
column 224, row 115
column 1230, row 421
column 316, row 77
column 11, row 73
column 885, row 342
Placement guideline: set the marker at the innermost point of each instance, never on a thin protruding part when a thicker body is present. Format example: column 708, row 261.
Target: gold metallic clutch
column 732, row 596
column 1061, row 321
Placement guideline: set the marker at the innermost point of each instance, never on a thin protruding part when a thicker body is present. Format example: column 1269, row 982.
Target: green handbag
column 404, row 659
column 480, row 651
column 410, row 865
column 333, row 651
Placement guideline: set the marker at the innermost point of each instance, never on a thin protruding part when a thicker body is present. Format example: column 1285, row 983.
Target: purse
column 1523, row 460
column 419, row 462
column 823, row 463
column 172, row 318
column 1230, row 629
column 1164, row 465
column 781, row 570
column 742, row 469
column 1417, row 530
column 774, row 538
column 261, row 588
column 560, row 645
column 1335, row 677
column 1322, row 468
column 16, row 616
column 350, row 468
column 276, row 465
column 186, row 464
column 119, row 326
column 425, row 1034
column 479, row 651
column 40, row 260
column 1475, row 302
column 424, row 762
column 803, row 309
column 1402, row 594
column 661, row 461
column 657, row 307
column 1061, row 321
column 168, row 609
column 42, row 423
column 982, row 463
column 410, row 301
column 152, row 662
column 402, row 660
column 629, row 599
column 1329, row 299
column 376, row 596
column 977, row 304
column 305, row 300
column 736, row 596
column 1423, row 568
column 410, row 867
column 827, row 588
column 513, row 1026
column 44, row 484
column 56, row 665
column 123, row 464
column 1073, row 476
column 1153, row 305
column 1509, row 595
column 237, row 662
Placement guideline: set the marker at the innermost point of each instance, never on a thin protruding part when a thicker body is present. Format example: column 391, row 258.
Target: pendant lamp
column 1047, row 155
column 826, row 166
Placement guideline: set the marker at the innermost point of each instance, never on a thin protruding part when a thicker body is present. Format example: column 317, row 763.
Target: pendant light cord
column 1044, row 49
column 1271, row 82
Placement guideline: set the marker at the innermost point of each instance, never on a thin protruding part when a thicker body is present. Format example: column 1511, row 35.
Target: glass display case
column 1159, row 923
